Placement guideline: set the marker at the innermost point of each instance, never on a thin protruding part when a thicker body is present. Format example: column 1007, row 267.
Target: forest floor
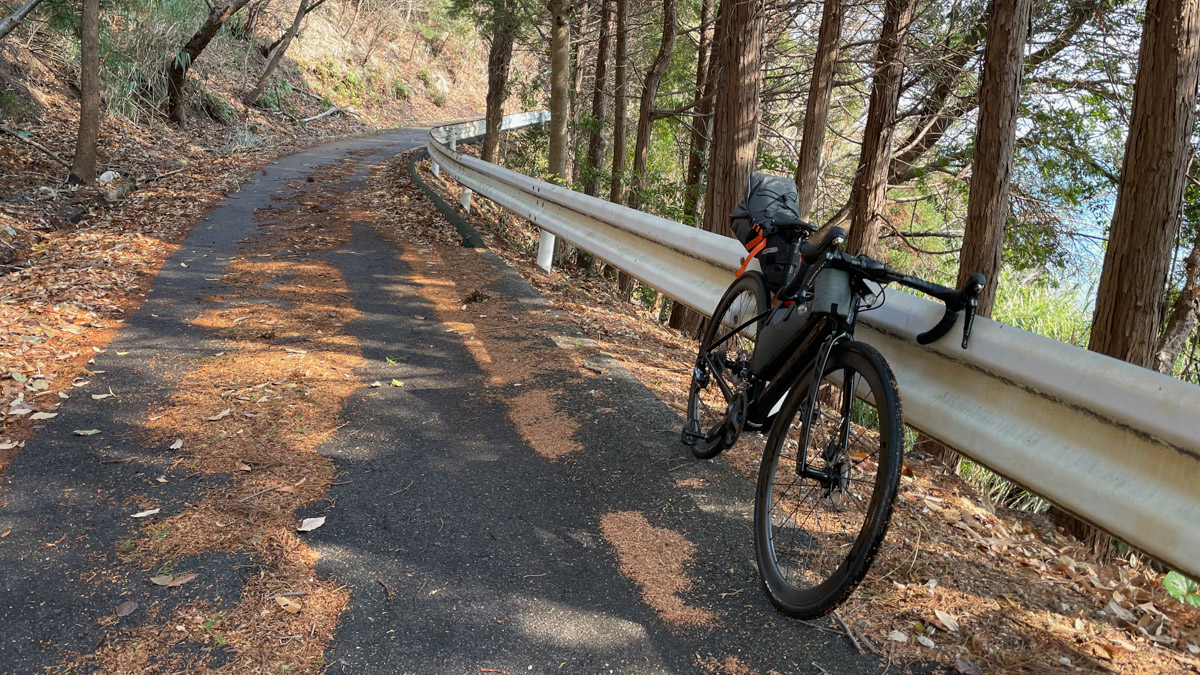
column 959, row 581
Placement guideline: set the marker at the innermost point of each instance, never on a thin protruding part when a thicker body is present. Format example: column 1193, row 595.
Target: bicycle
column 831, row 465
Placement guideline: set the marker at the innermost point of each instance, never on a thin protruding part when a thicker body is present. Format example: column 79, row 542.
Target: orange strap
column 762, row 243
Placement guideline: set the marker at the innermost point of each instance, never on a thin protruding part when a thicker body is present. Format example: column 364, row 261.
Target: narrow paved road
column 462, row 548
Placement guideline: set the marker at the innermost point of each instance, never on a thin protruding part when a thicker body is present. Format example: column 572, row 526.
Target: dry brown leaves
column 498, row 340
column 656, row 559
column 257, row 412
column 998, row 588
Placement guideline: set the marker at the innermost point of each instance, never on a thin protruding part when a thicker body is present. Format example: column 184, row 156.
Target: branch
column 37, row 145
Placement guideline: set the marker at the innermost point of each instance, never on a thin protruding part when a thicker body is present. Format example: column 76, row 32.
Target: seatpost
column 793, row 259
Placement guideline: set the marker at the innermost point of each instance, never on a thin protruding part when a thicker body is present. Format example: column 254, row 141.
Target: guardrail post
column 453, row 140
column 433, row 166
column 545, row 251
column 466, row 199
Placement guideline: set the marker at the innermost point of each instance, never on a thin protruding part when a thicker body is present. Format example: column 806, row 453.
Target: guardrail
column 1115, row 444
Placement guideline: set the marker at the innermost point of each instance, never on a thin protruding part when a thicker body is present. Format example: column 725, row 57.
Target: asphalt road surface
column 463, row 549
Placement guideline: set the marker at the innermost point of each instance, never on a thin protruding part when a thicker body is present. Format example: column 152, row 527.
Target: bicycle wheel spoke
column 812, row 521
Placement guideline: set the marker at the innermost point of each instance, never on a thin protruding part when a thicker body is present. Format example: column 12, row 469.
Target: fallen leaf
column 289, row 605
column 162, row 579
column 397, row 383
column 177, row 444
column 897, row 636
column 86, row 432
column 179, row 581
column 221, row 415
column 310, row 524
column 144, row 514
column 948, row 621
column 964, row 666
column 8, row 445
column 100, row 397
column 6, row 533
column 42, row 416
column 242, row 466
column 39, row 385
column 925, row 641
column 126, row 608
column 376, row 383
column 122, row 353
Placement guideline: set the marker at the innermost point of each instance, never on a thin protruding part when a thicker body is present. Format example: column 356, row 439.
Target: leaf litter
column 991, row 588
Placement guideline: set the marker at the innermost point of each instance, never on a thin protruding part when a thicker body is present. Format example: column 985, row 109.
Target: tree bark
column 646, row 107
column 813, row 142
column 702, row 122
column 595, row 150
column 616, row 189
column 276, row 56
column 991, row 168
column 504, row 30
column 266, row 51
column 1184, row 313
column 1129, row 302
column 83, row 168
column 740, row 26
column 13, row 20
column 177, row 70
column 685, row 318
column 560, row 70
column 869, row 193
column 620, row 106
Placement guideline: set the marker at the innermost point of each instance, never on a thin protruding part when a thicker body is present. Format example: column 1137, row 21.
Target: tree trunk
column 738, row 48
column 13, row 20
column 560, row 69
column 641, row 147
column 276, row 56
column 869, row 194
column 616, row 190
column 995, row 144
column 819, row 92
column 504, row 30
column 266, row 51
column 685, row 318
column 177, row 70
column 83, row 168
column 1184, row 312
column 595, row 151
column 1129, row 302
column 702, row 122
column 620, row 105
column 579, row 66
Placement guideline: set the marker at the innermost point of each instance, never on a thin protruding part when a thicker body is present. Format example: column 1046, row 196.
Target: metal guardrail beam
column 1115, row 444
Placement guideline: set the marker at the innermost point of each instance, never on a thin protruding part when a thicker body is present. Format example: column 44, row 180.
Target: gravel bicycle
column 830, row 406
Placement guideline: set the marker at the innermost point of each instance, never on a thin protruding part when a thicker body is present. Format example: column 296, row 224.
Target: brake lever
column 974, row 287
column 969, row 321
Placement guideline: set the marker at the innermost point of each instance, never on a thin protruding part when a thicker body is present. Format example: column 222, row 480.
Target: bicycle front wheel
column 829, row 475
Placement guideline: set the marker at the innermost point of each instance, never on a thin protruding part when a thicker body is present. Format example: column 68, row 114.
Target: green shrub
column 278, row 95
column 439, row 99
column 217, row 108
column 425, row 76
column 400, row 90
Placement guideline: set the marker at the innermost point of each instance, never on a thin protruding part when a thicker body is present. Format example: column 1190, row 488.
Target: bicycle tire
column 753, row 290
column 784, row 526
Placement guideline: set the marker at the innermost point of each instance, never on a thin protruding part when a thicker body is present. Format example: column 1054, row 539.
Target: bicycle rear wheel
column 717, row 396
column 828, row 478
